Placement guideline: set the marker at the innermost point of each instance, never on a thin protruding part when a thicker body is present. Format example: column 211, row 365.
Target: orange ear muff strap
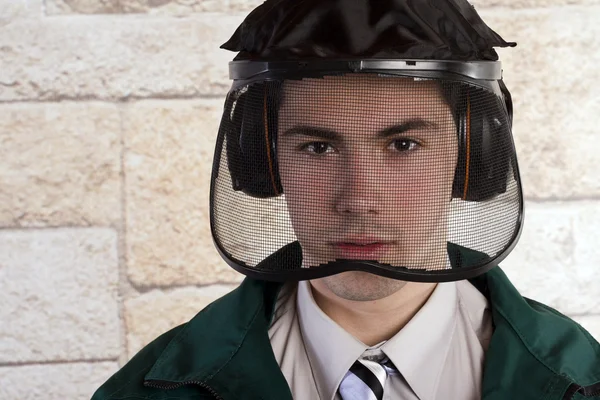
column 268, row 144
column 468, row 149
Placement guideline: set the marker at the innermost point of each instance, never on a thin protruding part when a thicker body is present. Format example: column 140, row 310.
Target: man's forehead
column 366, row 84
column 354, row 95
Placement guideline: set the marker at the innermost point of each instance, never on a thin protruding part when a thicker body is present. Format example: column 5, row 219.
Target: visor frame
column 484, row 74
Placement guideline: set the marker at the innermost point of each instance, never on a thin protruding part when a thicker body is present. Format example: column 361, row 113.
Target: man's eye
column 403, row 145
column 317, row 147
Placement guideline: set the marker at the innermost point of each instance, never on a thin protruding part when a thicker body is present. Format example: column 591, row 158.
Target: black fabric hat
column 390, row 29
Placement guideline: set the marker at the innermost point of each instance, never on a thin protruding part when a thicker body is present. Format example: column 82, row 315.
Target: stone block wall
column 108, row 115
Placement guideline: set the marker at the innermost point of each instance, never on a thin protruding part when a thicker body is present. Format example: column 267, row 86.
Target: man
column 368, row 192
column 386, row 180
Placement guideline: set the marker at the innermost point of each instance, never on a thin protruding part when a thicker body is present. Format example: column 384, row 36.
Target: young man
column 382, row 191
column 365, row 180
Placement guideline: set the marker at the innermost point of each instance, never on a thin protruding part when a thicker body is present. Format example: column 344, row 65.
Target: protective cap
column 387, row 29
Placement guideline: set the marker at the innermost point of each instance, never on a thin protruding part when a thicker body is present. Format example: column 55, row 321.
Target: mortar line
column 117, row 100
column 147, row 289
column 577, row 315
column 207, row 15
column 55, row 362
column 227, row 13
column 122, row 247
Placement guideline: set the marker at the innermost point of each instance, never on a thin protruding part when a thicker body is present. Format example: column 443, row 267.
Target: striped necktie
column 365, row 380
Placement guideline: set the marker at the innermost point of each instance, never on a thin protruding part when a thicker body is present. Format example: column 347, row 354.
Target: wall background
column 108, row 115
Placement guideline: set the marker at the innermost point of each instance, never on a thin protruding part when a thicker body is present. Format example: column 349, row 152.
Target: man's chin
column 360, row 285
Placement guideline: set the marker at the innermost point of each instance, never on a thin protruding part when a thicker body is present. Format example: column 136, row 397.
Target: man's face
column 367, row 165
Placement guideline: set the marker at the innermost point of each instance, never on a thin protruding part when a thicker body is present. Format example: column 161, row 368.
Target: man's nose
column 359, row 187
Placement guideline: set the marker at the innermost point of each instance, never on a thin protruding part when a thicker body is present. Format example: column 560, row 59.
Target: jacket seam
column 152, row 397
column 128, row 397
column 580, row 328
column 135, row 376
column 549, row 390
column 261, row 307
column 177, row 340
column 167, row 351
column 184, row 335
column 526, row 344
column 588, row 337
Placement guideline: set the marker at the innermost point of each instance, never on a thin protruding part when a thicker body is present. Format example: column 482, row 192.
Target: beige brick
column 587, row 231
column 11, row 10
column 517, row 4
column 244, row 5
column 109, row 58
column 161, row 7
column 247, row 5
column 554, row 78
column 59, row 164
column 54, row 7
column 590, row 323
column 168, row 162
column 58, row 291
column 555, row 262
column 156, row 312
column 181, row 8
column 73, row 381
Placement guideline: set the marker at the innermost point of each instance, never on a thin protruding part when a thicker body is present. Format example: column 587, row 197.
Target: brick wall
column 108, row 115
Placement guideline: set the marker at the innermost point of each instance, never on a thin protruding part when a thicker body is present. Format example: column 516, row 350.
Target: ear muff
column 485, row 144
column 485, row 148
column 252, row 144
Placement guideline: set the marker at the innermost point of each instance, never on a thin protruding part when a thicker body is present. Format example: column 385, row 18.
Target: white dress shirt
column 439, row 353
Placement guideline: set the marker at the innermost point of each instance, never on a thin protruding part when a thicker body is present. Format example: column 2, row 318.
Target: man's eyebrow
column 415, row 123
column 328, row 134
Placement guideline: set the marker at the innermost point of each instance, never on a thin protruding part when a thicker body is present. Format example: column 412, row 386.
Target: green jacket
column 224, row 352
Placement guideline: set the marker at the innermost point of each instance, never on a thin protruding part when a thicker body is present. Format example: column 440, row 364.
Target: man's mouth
column 365, row 245
column 361, row 249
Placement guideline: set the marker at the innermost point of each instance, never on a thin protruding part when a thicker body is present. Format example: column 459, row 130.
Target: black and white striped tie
column 365, row 380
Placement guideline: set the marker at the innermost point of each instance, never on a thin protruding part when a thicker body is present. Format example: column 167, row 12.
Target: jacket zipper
column 169, row 385
column 587, row 391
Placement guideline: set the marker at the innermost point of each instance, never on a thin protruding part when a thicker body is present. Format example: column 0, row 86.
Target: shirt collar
column 332, row 351
column 419, row 350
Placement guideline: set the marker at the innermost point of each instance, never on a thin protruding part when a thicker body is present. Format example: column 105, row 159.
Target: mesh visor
column 410, row 178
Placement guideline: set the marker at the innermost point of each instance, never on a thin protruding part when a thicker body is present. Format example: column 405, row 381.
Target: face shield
column 402, row 168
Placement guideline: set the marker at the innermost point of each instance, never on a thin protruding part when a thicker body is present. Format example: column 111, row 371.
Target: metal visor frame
column 485, row 74
column 469, row 70
column 486, row 70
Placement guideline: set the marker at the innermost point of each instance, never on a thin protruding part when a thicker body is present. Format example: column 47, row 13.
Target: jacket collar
column 534, row 348
column 226, row 346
